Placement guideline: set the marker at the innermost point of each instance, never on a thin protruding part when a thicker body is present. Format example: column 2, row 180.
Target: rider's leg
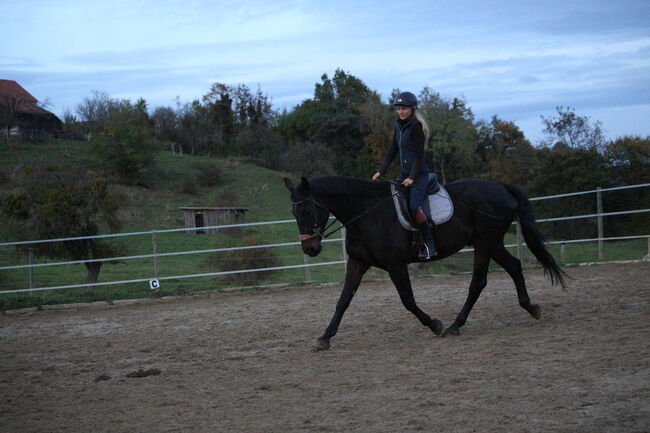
column 418, row 193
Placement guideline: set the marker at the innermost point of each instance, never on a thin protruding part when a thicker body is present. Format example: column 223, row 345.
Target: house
column 20, row 114
column 198, row 217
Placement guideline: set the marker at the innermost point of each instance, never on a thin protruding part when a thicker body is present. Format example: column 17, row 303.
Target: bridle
column 316, row 231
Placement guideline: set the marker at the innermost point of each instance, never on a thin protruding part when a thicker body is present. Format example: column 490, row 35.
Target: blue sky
column 518, row 60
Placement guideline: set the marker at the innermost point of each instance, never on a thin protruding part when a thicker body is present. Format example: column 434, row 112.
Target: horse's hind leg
column 479, row 281
column 512, row 265
column 400, row 278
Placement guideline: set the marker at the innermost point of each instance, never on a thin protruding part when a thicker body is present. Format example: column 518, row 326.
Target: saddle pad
column 440, row 205
column 442, row 208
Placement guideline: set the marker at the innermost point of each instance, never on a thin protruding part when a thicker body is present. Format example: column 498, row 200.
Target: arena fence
column 154, row 275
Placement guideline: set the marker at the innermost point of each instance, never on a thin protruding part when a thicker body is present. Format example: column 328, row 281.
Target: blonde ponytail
column 425, row 128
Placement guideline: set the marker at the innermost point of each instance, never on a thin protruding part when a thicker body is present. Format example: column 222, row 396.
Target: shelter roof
column 202, row 208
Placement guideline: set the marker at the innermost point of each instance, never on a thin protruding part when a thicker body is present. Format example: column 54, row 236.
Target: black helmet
column 407, row 99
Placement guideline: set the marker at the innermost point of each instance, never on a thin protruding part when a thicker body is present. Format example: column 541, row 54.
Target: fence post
column 154, row 242
column 599, row 211
column 30, row 262
column 344, row 235
column 307, row 268
column 563, row 253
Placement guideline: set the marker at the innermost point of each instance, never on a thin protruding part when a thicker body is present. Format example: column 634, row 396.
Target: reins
column 362, row 214
column 316, row 230
column 326, row 234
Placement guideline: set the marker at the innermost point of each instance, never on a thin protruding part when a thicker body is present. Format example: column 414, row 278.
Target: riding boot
column 428, row 249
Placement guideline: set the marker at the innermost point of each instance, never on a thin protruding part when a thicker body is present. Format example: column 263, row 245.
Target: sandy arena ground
column 241, row 362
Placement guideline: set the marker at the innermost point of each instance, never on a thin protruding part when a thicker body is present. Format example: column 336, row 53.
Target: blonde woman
column 409, row 137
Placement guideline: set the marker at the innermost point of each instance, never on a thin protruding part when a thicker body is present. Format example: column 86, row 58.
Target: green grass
column 157, row 208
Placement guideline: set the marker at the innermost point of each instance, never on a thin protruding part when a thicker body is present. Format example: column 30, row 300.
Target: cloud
column 515, row 61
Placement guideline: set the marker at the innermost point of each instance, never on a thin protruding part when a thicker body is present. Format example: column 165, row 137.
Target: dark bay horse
column 484, row 210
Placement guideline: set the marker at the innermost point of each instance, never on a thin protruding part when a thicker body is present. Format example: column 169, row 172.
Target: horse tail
column 534, row 239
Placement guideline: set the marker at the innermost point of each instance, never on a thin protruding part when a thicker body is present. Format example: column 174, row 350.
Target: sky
column 518, row 60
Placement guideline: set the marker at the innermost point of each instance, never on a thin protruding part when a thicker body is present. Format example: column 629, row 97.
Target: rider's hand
column 376, row 176
column 407, row 182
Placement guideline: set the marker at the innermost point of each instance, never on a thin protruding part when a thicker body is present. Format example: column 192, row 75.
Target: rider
column 409, row 137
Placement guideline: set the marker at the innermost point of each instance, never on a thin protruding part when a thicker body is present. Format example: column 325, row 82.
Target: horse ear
column 305, row 185
column 288, row 184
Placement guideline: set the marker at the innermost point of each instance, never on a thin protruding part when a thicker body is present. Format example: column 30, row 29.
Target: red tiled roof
column 11, row 90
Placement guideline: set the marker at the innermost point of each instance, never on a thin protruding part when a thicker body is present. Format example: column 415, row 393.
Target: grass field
column 233, row 183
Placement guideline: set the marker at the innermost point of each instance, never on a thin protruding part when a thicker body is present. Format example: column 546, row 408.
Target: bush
column 209, row 173
column 308, row 159
column 189, row 187
column 244, row 259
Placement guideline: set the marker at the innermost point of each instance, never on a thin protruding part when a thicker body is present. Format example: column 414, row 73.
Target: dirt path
column 242, row 362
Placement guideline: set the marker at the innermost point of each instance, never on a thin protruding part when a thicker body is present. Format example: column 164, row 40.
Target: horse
column 484, row 210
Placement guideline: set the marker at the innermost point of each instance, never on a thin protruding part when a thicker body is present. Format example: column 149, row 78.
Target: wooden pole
column 154, row 242
column 599, row 211
column 30, row 262
column 307, row 269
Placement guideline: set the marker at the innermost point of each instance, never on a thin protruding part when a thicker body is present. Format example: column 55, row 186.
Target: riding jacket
column 408, row 140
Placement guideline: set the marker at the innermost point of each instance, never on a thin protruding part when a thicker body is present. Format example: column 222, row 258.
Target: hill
column 174, row 182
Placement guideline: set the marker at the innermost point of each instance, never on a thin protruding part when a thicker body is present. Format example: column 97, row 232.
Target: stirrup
column 426, row 252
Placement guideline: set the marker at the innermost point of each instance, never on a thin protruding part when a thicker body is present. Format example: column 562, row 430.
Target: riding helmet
column 406, row 99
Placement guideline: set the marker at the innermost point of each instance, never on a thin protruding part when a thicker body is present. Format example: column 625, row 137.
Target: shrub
column 209, row 173
column 307, row 159
column 244, row 259
column 189, row 187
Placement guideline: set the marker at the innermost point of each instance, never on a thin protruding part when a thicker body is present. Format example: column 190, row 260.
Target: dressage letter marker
column 154, row 284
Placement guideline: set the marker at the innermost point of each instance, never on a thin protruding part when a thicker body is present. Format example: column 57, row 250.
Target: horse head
column 310, row 215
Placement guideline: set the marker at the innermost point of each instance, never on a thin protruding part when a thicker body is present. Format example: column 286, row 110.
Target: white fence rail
column 307, row 266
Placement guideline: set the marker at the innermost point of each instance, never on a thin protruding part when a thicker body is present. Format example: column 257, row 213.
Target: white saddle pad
column 441, row 206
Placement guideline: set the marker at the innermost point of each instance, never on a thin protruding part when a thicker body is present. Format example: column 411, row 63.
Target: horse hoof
column 452, row 332
column 320, row 345
column 436, row 326
column 535, row 311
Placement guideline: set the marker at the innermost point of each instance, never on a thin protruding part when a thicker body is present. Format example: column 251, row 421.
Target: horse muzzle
column 310, row 244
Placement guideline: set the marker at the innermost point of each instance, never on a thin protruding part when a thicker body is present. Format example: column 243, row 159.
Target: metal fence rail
column 155, row 255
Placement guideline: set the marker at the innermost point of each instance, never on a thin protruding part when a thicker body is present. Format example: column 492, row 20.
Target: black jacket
column 408, row 140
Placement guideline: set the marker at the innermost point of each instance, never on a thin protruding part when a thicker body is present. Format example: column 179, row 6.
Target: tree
column 332, row 119
column 50, row 202
column 97, row 109
column 506, row 155
column 126, row 143
column 219, row 104
column 628, row 159
column 453, row 136
column 377, row 121
column 564, row 169
column 196, row 131
column 165, row 122
column 573, row 130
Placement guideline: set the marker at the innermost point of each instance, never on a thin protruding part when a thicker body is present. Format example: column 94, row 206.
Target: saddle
column 437, row 205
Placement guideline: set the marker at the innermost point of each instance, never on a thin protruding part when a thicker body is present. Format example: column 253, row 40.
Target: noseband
column 316, row 231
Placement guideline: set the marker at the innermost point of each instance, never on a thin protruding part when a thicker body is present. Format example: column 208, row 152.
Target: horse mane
column 349, row 186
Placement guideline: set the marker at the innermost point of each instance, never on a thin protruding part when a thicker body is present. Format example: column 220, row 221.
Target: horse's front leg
column 354, row 271
column 402, row 281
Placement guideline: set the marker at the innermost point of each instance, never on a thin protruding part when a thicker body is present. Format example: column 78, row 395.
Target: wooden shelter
column 197, row 217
